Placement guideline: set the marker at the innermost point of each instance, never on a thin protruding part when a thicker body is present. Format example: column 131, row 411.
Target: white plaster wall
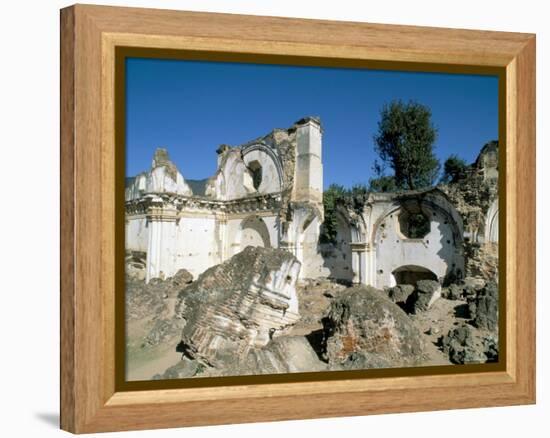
column 138, row 186
column 313, row 264
column 233, row 231
column 137, row 234
column 237, row 180
column 238, row 237
column 436, row 252
column 197, row 244
column 161, row 249
column 159, row 181
column 337, row 256
column 254, row 233
column 271, row 180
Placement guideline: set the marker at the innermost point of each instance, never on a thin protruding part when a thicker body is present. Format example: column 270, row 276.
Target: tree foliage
column 353, row 198
column 454, row 169
column 404, row 142
column 383, row 183
column 330, row 225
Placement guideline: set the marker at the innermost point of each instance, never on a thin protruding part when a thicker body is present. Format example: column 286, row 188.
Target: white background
column 29, row 218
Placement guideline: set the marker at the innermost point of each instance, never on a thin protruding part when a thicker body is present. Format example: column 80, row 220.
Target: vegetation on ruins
column 454, row 169
column 404, row 142
column 383, row 183
column 334, row 195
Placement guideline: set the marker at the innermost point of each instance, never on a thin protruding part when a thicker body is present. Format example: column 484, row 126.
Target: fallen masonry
column 363, row 326
column 238, row 305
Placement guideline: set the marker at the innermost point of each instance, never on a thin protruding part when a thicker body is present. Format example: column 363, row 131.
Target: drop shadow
column 49, row 418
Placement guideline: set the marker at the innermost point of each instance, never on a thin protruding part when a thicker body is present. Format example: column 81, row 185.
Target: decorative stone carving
column 240, row 304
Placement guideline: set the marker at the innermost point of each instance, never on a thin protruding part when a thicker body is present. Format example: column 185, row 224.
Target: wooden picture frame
column 91, row 401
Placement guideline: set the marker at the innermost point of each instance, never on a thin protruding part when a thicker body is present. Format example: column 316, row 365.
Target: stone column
column 161, row 220
column 370, row 265
column 358, row 262
column 308, row 185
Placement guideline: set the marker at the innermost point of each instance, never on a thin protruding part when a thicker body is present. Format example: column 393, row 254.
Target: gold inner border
column 123, row 52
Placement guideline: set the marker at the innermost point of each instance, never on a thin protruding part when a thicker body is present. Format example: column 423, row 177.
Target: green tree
column 384, row 183
column 405, row 141
column 330, row 198
column 454, row 169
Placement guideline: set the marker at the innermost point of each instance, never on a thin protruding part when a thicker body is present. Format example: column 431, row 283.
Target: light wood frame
column 89, row 36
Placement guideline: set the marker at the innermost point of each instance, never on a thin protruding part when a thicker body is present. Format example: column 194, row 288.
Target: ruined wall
column 137, row 234
column 475, row 197
column 438, row 251
column 268, row 193
column 338, row 256
column 197, row 244
column 249, row 201
column 373, row 247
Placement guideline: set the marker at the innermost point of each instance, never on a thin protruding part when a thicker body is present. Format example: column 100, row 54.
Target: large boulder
column 400, row 293
column 424, row 295
column 363, row 328
column 239, row 305
column 484, row 307
column 462, row 346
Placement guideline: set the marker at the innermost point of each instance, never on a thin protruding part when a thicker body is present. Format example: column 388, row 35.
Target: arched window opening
column 414, row 225
column 256, row 170
column 410, row 274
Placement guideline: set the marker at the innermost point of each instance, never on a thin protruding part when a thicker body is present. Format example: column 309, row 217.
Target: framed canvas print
column 270, row 218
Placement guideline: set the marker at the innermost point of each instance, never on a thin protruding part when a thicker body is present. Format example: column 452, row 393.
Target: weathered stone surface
column 362, row 360
column 424, row 295
column 136, row 262
column 182, row 277
column 490, row 345
column 400, row 293
column 472, row 196
column 363, row 320
column 286, row 354
column 239, row 305
column 185, row 368
column 453, row 292
column 461, row 346
column 485, row 315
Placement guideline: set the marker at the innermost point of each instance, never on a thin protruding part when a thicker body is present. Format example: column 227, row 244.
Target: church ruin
column 269, row 193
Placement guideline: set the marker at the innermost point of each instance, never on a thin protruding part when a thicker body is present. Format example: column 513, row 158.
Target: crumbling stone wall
column 266, row 192
column 475, row 197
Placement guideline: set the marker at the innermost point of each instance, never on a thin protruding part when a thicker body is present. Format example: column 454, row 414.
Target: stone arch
column 253, row 232
column 410, row 274
column 428, row 203
column 270, row 164
column 491, row 223
column 439, row 251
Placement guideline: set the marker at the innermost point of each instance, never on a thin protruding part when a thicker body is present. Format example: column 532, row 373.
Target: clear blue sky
column 192, row 107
